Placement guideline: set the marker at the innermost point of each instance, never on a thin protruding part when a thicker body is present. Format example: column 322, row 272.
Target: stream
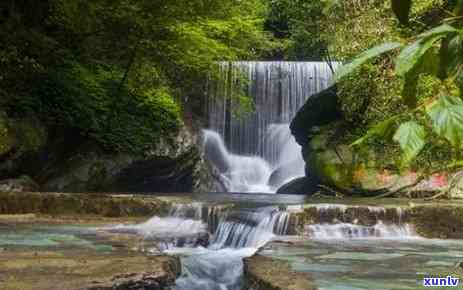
column 213, row 237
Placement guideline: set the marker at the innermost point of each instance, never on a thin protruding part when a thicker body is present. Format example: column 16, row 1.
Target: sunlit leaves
column 412, row 55
column 364, row 57
column 411, row 137
column 446, row 115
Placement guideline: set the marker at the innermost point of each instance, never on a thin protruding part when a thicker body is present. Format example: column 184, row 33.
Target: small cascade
column 256, row 152
column 338, row 221
column 250, row 229
column 352, row 231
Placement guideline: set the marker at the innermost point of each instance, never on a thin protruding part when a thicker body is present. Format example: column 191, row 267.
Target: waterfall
column 233, row 143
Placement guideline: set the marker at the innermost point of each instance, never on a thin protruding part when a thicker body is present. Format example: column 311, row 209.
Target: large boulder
column 365, row 172
column 172, row 167
column 320, row 109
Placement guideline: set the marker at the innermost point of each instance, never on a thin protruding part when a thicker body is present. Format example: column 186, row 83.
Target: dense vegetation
column 124, row 73
column 117, row 72
column 427, row 78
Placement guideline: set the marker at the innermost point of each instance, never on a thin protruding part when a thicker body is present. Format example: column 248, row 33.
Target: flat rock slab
column 58, row 204
column 262, row 273
column 46, row 270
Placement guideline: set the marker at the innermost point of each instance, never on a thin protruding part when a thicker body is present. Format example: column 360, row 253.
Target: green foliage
column 419, row 64
column 384, row 129
column 364, row 57
column 411, row 137
column 6, row 139
column 118, row 72
column 300, row 26
column 412, row 55
column 446, row 115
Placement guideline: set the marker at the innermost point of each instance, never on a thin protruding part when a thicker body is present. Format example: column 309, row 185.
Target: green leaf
column 446, row 115
column 410, row 90
column 364, row 57
column 402, row 9
column 429, row 64
column 383, row 129
column 412, row 55
column 451, row 56
column 411, row 138
column 443, row 29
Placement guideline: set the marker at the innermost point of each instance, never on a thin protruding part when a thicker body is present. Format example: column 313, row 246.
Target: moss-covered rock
column 169, row 167
column 442, row 222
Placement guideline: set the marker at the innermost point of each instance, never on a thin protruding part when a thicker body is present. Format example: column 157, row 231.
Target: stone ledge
column 263, row 273
column 38, row 270
column 58, row 204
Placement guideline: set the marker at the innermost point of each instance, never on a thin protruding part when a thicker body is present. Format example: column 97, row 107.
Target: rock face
column 262, row 273
column 68, row 162
column 320, row 109
column 318, row 127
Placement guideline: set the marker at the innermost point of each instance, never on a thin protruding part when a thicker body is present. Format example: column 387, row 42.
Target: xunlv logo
column 449, row 281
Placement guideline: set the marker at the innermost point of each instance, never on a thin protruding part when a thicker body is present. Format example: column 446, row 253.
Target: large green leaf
column 411, row 56
column 402, row 9
column 411, row 138
column 429, row 64
column 383, row 129
column 443, row 29
column 364, row 57
column 447, row 119
column 451, row 56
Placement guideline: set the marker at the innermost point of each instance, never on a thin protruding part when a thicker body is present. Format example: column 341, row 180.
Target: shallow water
column 365, row 264
column 337, row 262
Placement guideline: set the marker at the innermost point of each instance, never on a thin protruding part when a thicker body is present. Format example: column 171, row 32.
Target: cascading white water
column 352, row 231
column 340, row 221
column 248, row 149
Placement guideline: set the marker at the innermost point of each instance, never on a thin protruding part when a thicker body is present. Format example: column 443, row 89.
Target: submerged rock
column 262, row 273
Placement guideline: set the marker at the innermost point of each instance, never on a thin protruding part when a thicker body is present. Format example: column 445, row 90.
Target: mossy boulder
column 170, row 166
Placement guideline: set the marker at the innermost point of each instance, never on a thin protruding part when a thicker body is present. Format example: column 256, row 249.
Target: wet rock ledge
column 59, row 204
column 262, row 273
column 29, row 270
